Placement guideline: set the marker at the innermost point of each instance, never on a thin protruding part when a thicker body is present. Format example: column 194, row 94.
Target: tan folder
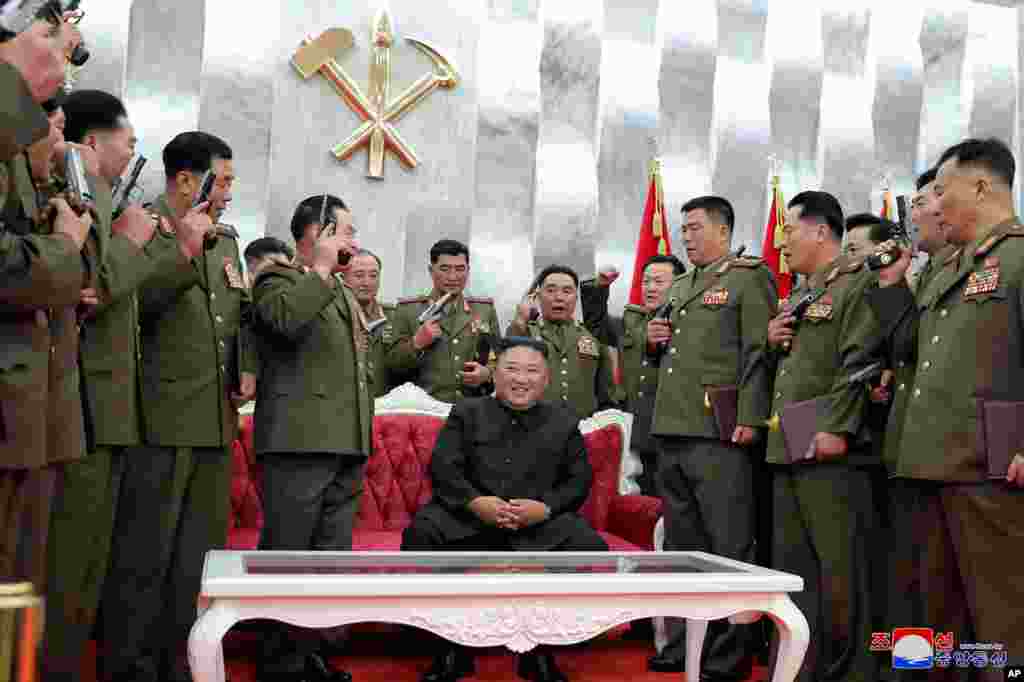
column 799, row 424
column 1004, row 435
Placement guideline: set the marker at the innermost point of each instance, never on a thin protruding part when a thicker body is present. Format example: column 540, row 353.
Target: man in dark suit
column 313, row 418
column 509, row 473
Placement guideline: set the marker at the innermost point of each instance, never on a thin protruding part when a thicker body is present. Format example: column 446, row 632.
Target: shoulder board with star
column 680, row 276
column 634, row 308
column 1015, row 230
column 845, row 268
column 747, row 262
column 480, row 300
column 413, row 299
column 226, row 230
column 952, row 257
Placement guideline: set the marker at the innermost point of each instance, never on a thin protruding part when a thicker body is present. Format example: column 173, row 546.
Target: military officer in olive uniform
column 902, row 600
column 41, row 278
column 314, row 412
column 964, row 335
column 176, row 488
column 83, row 518
column 363, row 277
column 581, row 366
column 711, row 345
column 825, row 517
column 443, row 357
column 638, row 369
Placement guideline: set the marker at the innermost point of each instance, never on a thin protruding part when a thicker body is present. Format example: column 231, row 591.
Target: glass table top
column 477, row 564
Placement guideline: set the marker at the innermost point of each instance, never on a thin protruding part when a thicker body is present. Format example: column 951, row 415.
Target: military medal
column 232, row 275
column 984, row 282
column 821, row 309
column 720, row 297
column 587, row 346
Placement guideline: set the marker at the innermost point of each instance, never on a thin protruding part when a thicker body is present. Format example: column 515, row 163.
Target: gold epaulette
column 226, row 230
column 747, row 261
column 482, row 300
column 1016, row 230
column 413, row 299
column 636, row 308
column 389, row 306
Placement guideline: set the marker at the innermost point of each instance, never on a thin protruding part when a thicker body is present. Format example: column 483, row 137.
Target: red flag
column 887, row 205
column 771, row 250
column 654, row 237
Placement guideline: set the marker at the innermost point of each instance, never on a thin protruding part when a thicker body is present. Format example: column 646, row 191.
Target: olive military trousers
column 81, row 530
column 826, row 531
column 172, row 510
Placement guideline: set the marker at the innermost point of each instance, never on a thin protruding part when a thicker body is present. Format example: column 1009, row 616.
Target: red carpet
column 375, row 657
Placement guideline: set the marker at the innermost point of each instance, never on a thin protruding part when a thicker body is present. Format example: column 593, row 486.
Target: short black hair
column 821, row 206
column 265, row 246
column 193, row 151
column 50, row 11
column 926, row 178
column 880, row 230
column 88, row 110
column 992, row 154
column 677, row 265
column 718, row 208
column 448, row 247
column 367, row 252
column 509, row 342
column 556, row 270
column 308, row 212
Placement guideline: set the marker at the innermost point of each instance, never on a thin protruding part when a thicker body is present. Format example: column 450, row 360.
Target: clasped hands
column 509, row 515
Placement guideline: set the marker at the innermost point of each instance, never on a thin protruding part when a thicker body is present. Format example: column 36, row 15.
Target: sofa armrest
column 633, row 517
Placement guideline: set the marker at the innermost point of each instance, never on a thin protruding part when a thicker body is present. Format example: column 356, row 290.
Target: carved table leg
column 695, row 632
column 205, row 643
column 794, row 636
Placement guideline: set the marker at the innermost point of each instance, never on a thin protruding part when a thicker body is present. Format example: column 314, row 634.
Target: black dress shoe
column 663, row 663
column 450, row 666
column 539, row 666
column 318, row 670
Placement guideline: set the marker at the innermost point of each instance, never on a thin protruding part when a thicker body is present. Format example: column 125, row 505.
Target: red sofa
column 397, row 480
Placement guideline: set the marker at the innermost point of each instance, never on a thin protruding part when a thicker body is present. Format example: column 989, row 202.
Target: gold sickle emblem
column 377, row 110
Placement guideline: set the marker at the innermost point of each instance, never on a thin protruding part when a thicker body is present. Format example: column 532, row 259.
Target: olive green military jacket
column 376, row 358
column 313, row 394
column 437, row 369
column 190, row 313
column 901, row 359
column 967, row 333
column 833, row 341
column 110, row 341
column 22, row 120
column 581, row 367
column 720, row 323
column 637, row 384
column 40, row 404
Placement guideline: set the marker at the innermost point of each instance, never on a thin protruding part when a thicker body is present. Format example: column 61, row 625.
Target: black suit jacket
column 487, row 449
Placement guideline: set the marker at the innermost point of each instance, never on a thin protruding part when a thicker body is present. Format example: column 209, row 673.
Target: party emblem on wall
column 376, row 107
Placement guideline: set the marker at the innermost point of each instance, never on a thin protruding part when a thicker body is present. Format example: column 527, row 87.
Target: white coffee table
column 517, row 600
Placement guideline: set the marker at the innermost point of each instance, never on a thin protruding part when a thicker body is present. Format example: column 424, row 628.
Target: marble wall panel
column 501, row 239
column 742, row 129
column 686, row 85
column 943, row 43
column 898, row 97
column 991, row 67
column 629, row 105
column 794, row 98
column 542, row 153
column 846, row 142
column 236, row 94
column 165, row 54
column 106, row 28
column 566, row 177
